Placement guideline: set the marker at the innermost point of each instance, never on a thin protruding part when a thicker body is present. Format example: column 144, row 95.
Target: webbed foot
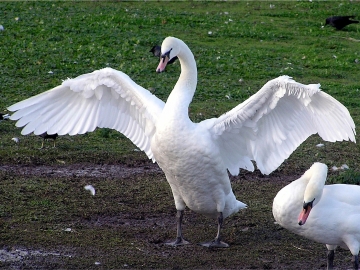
column 178, row 242
column 216, row 243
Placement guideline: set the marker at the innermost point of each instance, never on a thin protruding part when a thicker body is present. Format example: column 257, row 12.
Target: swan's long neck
column 180, row 98
column 317, row 177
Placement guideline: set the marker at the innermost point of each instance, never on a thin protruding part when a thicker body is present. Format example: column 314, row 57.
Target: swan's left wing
column 105, row 98
column 272, row 123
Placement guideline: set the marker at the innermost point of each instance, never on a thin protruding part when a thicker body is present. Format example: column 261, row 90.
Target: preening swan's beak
column 304, row 214
column 163, row 62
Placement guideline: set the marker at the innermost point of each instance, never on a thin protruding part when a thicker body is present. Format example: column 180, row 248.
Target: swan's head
column 317, row 176
column 170, row 48
column 305, row 212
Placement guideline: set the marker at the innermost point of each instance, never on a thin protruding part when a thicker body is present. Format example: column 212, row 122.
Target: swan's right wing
column 271, row 124
column 105, row 98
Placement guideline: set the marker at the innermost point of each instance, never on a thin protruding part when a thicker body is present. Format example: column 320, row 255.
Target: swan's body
column 329, row 214
column 195, row 157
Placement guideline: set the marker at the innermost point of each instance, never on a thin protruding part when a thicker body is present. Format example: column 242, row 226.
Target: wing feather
column 271, row 124
column 105, row 98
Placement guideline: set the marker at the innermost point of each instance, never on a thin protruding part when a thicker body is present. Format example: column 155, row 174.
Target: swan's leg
column 330, row 259
column 356, row 262
column 217, row 241
column 179, row 238
column 330, row 256
column 54, row 143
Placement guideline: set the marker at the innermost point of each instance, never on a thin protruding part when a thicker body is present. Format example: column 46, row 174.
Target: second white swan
column 329, row 214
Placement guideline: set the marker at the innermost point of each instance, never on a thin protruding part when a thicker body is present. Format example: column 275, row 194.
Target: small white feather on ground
column 90, row 188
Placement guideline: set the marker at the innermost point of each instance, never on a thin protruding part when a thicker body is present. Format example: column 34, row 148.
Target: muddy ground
column 131, row 217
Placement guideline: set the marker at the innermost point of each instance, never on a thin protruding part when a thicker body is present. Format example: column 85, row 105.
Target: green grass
column 250, row 43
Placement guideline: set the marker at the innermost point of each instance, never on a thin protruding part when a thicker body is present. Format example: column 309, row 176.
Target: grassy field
column 250, row 43
column 238, row 47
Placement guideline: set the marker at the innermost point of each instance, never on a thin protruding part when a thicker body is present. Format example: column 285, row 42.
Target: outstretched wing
column 105, row 98
column 271, row 124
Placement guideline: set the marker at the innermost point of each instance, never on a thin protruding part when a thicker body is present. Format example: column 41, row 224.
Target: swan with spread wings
column 195, row 157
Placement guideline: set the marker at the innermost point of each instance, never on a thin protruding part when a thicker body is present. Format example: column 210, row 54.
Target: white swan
column 331, row 212
column 266, row 128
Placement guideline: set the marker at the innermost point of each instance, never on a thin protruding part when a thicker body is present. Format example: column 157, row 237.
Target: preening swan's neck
column 183, row 92
column 316, row 176
column 290, row 200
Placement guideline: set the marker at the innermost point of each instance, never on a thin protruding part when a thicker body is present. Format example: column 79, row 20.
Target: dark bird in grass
column 46, row 136
column 156, row 50
column 4, row 116
column 339, row 22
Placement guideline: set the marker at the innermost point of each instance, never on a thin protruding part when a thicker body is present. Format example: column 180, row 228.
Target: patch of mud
column 19, row 254
column 83, row 170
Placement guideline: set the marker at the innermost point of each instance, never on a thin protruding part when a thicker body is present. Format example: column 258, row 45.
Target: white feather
column 91, row 189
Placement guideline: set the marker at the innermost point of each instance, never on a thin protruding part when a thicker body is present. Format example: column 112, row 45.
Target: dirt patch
column 127, row 224
column 19, row 254
column 83, row 170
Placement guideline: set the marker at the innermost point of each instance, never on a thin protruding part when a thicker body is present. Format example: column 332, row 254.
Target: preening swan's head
column 317, row 176
column 170, row 48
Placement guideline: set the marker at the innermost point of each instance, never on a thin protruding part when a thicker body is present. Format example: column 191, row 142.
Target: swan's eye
column 167, row 54
column 306, row 205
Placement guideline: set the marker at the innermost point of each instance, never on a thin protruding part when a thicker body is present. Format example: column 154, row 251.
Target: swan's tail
column 232, row 206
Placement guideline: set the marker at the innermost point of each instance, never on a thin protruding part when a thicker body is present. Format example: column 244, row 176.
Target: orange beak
column 304, row 214
column 162, row 65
